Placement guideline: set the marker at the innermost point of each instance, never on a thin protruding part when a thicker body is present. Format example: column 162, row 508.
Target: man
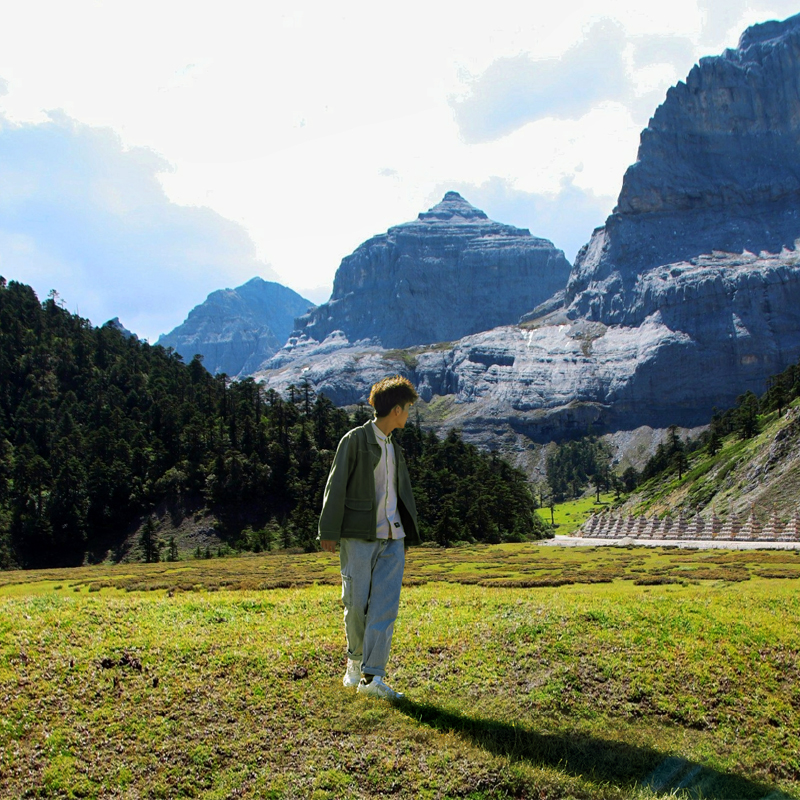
column 369, row 509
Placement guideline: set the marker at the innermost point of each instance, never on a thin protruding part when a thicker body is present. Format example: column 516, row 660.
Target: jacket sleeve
column 330, row 520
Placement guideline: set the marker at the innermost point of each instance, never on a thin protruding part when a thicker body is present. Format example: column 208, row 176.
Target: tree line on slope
column 97, row 430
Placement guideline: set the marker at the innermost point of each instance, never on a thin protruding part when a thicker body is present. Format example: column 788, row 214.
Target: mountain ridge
column 717, row 170
column 236, row 330
column 686, row 297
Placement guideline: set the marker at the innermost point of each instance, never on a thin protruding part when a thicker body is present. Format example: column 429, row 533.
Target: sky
column 154, row 152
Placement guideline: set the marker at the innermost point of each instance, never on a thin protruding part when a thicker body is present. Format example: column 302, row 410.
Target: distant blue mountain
column 117, row 325
column 236, row 330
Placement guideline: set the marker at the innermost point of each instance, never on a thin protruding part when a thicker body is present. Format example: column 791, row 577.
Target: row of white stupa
column 613, row 526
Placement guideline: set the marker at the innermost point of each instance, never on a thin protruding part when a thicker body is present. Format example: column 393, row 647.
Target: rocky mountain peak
column 723, row 136
column 453, row 207
column 718, row 169
column 451, row 272
column 768, row 31
column 117, row 325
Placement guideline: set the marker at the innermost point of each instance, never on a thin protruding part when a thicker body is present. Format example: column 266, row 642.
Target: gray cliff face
column 342, row 371
column 554, row 380
column 237, row 330
column 687, row 297
column 718, row 169
column 451, row 272
column 704, row 231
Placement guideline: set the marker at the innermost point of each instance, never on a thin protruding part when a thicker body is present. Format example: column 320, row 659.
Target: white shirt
column 389, row 525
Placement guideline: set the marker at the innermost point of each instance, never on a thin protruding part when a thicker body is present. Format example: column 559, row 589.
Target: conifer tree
column 98, row 429
column 149, row 542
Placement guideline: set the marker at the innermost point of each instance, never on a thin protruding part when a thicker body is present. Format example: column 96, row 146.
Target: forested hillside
column 747, row 460
column 98, row 429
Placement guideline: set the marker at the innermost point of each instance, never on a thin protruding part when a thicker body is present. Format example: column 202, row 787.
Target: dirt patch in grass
column 522, row 566
column 783, row 574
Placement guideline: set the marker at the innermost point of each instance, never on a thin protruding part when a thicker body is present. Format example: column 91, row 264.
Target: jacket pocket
column 356, row 504
column 347, row 591
column 358, row 518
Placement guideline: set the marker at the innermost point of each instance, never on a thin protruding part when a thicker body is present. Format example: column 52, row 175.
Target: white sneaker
column 353, row 674
column 377, row 688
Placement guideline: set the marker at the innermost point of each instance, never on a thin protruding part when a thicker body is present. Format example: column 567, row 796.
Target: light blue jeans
column 372, row 574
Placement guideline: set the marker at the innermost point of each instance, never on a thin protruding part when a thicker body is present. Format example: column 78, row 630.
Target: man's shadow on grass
column 601, row 761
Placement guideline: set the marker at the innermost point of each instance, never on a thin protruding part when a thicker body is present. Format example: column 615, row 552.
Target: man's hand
column 328, row 545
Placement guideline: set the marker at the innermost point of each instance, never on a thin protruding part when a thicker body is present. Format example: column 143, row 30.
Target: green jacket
column 349, row 509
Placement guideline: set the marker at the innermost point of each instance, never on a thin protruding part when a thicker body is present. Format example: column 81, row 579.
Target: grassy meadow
column 570, row 515
column 530, row 672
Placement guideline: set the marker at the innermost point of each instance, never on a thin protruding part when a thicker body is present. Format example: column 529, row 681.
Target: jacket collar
column 370, row 432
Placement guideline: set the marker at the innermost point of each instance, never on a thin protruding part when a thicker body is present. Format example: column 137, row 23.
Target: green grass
column 405, row 356
column 438, row 409
column 603, row 689
column 571, row 515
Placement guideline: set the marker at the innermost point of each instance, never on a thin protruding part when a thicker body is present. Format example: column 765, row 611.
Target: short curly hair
column 391, row 392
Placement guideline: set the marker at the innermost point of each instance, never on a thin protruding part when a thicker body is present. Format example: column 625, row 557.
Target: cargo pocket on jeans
column 347, row 590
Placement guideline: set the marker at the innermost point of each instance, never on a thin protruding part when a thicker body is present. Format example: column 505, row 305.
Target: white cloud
column 723, row 21
column 678, row 52
column 346, row 188
column 316, row 125
column 608, row 65
column 522, row 89
column 81, row 214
